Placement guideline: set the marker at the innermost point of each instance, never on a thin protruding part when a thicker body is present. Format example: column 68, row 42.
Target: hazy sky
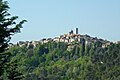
column 50, row 18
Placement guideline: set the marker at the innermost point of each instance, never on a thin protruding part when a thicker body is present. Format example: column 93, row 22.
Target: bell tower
column 76, row 30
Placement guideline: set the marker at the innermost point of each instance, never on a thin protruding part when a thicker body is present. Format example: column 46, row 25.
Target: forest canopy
column 52, row 61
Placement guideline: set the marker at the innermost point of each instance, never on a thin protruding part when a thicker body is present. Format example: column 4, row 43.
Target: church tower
column 76, row 30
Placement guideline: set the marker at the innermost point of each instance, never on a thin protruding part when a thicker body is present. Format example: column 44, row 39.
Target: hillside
column 56, row 61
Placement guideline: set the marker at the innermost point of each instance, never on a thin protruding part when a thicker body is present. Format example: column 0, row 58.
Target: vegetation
column 52, row 61
column 8, row 27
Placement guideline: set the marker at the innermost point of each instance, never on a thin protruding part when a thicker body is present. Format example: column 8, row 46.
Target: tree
column 86, row 50
column 81, row 50
column 8, row 27
column 91, row 51
column 77, row 50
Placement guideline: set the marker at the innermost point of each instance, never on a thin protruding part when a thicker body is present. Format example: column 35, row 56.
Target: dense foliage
column 8, row 27
column 53, row 61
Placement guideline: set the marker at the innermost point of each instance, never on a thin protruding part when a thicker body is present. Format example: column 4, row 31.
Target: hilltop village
column 70, row 38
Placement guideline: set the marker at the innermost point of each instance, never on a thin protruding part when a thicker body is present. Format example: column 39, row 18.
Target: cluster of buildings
column 118, row 42
column 69, row 38
column 28, row 44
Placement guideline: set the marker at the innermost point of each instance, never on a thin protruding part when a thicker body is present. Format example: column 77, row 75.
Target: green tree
column 77, row 51
column 86, row 50
column 91, row 51
column 81, row 51
column 8, row 27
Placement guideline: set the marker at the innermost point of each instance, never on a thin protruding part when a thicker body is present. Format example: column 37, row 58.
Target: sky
column 51, row 18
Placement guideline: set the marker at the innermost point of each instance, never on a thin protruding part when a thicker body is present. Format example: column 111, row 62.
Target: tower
column 76, row 30
column 71, row 32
